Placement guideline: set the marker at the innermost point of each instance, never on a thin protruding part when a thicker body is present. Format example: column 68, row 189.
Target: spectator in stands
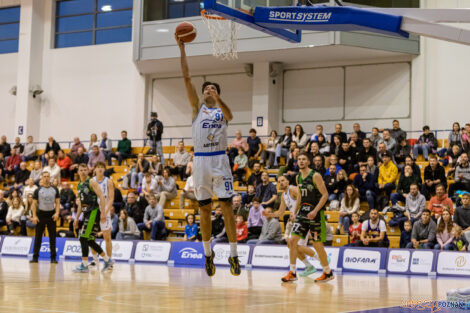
column 255, row 219
column 374, row 232
column 375, row 137
column 324, row 147
column 93, row 142
column 347, row 157
column 106, row 145
column 53, row 169
column 268, row 155
column 452, row 159
column 270, row 231
column 3, row 209
column 416, row 169
column 364, row 182
column 357, row 129
column 330, row 182
column 402, row 150
column 300, row 137
column 462, row 176
column 444, row 235
column 454, row 139
column 434, row 174
column 191, row 230
column 133, row 208
column 27, row 217
column 128, row 229
column 29, row 152
column 318, row 165
column 415, row 204
column 149, row 185
column 74, row 149
column 118, row 201
column 333, row 161
column 64, row 162
column 255, row 177
column 405, row 236
column 166, row 188
column 423, row 235
column 80, row 158
column 354, row 141
column 318, row 132
column 2, row 166
column 388, row 140
column 181, row 159
column 238, row 142
column 354, row 230
column 396, row 132
column 156, row 166
column 51, row 145
column 12, row 164
column 387, row 175
column 30, row 188
column 315, row 150
column 461, row 214
column 21, row 176
column 426, row 143
column 293, row 146
column 335, row 145
column 254, row 145
column 218, row 226
column 188, row 192
column 239, row 208
column 241, row 229
column 440, row 200
column 124, row 149
column 349, row 205
column 292, row 167
column 282, row 147
column 266, row 191
column 381, row 152
column 365, row 152
column 94, row 157
column 240, row 166
column 250, row 194
column 373, row 169
column 142, row 168
column 5, row 147
column 339, row 187
column 339, row 132
column 36, row 172
column 67, row 199
column 404, row 183
column 18, row 146
column 154, row 220
column 155, row 132
column 15, row 211
column 460, row 242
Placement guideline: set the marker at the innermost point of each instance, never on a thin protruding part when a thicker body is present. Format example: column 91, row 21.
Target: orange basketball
column 186, row 32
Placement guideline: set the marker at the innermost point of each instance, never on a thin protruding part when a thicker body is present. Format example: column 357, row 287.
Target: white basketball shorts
column 212, row 175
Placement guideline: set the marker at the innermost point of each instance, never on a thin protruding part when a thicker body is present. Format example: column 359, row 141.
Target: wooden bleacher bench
column 340, row 240
column 177, row 214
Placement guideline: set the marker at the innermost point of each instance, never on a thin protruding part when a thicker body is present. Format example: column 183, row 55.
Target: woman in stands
column 444, row 234
column 127, row 228
column 323, row 145
column 15, row 211
column 267, row 156
column 340, row 184
column 93, row 141
column 27, row 218
column 335, row 145
column 300, row 137
column 455, row 138
column 349, row 205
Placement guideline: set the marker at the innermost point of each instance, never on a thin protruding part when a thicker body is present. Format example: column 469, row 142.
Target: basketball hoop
column 224, row 35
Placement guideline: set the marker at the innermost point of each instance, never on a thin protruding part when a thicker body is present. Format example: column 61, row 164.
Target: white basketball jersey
column 291, row 204
column 103, row 186
column 209, row 130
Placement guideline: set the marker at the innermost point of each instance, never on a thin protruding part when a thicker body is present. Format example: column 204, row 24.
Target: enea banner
column 45, row 250
column 187, row 253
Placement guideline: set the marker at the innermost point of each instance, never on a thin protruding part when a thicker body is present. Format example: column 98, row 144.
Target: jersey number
column 304, row 192
column 219, row 117
column 228, row 186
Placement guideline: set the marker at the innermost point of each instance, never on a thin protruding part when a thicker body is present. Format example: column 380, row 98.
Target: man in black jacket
column 347, row 157
column 154, row 132
column 134, row 209
column 365, row 152
column 282, row 148
column 5, row 147
column 434, row 174
column 218, row 226
column 339, row 131
column 255, row 177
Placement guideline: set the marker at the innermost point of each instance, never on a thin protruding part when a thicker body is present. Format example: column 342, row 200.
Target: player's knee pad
column 204, row 202
column 225, row 200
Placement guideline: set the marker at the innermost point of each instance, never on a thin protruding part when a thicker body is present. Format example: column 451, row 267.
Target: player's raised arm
column 223, row 106
column 190, row 90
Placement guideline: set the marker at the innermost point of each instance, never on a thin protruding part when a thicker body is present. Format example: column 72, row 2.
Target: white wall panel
column 8, row 76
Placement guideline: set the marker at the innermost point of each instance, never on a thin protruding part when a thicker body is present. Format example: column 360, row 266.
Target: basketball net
column 224, row 35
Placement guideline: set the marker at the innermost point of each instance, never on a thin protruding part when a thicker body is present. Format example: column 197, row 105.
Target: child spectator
column 15, row 211
column 405, row 237
column 444, row 231
column 241, row 163
column 191, row 231
column 255, row 218
column 242, row 229
column 355, row 229
column 459, row 243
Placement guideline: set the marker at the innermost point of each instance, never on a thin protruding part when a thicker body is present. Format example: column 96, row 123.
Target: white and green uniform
column 107, row 225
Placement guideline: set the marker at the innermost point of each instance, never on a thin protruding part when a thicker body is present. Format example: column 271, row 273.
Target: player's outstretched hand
column 179, row 42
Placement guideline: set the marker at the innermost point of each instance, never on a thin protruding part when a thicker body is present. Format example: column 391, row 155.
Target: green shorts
column 317, row 227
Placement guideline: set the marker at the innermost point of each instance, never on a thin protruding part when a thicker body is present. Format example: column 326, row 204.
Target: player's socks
column 85, row 263
column 327, row 269
column 207, row 248
column 306, row 262
column 293, row 268
column 105, row 258
column 233, row 249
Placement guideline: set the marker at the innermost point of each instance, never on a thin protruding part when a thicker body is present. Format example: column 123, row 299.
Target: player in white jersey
column 289, row 202
column 107, row 187
column 211, row 168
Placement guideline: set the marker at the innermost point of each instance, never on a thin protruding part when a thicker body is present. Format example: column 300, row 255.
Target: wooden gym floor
column 157, row 288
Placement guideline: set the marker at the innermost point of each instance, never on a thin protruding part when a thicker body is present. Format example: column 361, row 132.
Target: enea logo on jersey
column 208, row 123
column 300, row 17
column 190, row 253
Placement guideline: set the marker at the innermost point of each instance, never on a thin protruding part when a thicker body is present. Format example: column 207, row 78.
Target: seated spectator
column 339, row 132
column 239, row 208
column 402, row 150
column 30, row 188
column 330, row 182
column 387, row 175
column 452, row 159
column 237, row 143
column 462, row 176
column 3, row 209
column 415, row 204
column 124, row 149
column 53, row 169
column 51, row 145
column 434, row 174
column 440, row 200
column 74, row 149
column 255, row 219
column 460, row 242
column 241, row 229
column 266, row 191
column 248, row 197
column 270, row 232
column 357, row 129
column 29, row 151
column 293, row 146
column 218, row 226
column 461, row 215
column 240, row 166
column 188, row 192
column 128, row 229
column 318, row 165
column 156, row 166
column 71, row 219
column 268, row 155
column 354, row 142
column 466, row 138
column 375, row 137
column 166, row 188
column 15, row 211
column 5, row 147
column 349, row 205
column 181, row 159
column 27, row 217
column 416, row 169
column 118, row 201
column 454, row 139
column 131, row 178
column 365, row 152
column 404, row 183
column 335, row 145
column 133, row 208
column 191, row 230
column 444, row 234
column 300, row 137
column 283, row 145
column 80, row 158
column 423, row 235
column 318, row 132
column 315, row 151
column 396, row 132
column 347, row 157
column 254, row 145
column 67, row 199
column 93, row 142
column 21, row 176
column 64, row 162
column 142, row 168
column 373, row 169
column 115, row 222
column 426, row 143
column 149, row 185
column 364, row 182
column 374, row 232
column 292, row 168
column 154, row 220
column 388, row 140
column 2, row 166
column 405, row 236
column 323, row 145
column 106, row 145
column 36, row 172
column 355, row 230
column 255, row 177
column 381, row 152
column 12, row 164
column 94, row 157
column 333, row 161
column 339, row 187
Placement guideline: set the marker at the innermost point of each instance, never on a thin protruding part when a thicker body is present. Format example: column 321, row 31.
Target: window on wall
column 9, row 29
column 92, row 22
column 168, row 9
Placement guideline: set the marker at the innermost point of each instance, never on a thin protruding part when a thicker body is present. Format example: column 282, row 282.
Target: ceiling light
column 106, row 8
column 162, row 30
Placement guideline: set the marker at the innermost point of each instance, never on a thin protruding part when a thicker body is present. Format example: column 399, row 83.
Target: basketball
column 186, row 32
